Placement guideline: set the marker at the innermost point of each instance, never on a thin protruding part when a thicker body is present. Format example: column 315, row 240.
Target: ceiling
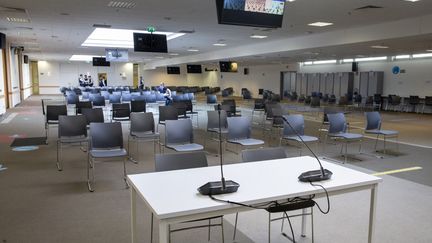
column 57, row 28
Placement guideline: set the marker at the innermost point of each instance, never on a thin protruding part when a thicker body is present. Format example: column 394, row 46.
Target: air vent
column 18, row 20
column 127, row 5
column 187, row 31
column 368, row 7
column 102, row 26
column 15, row 15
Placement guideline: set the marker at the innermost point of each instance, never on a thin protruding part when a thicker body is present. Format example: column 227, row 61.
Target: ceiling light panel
column 117, row 4
column 258, row 36
column 422, row 55
column 380, row 47
column 325, row 62
column 120, row 38
column 402, row 57
column 18, row 20
column 320, row 24
column 368, row 59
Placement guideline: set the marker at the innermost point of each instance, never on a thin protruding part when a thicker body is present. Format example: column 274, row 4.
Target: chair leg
column 59, row 165
column 376, row 142
column 124, row 172
column 222, row 229
column 346, row 153
column 151, row 229
column 269, row 228
column 235, row 227
column 89, row 183
column 385, row 144
column 312, row 226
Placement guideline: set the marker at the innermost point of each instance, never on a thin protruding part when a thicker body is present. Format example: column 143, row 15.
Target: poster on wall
column 102, row 77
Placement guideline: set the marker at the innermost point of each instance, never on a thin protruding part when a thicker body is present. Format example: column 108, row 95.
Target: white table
column 172, row 196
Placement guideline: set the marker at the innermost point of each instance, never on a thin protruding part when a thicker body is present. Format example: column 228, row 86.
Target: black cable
column 328, row 199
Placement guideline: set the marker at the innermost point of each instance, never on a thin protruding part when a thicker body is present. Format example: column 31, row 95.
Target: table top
column 174, row 193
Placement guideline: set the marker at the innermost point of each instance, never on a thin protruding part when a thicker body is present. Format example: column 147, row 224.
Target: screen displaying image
column 258, row 6
column 117, row 55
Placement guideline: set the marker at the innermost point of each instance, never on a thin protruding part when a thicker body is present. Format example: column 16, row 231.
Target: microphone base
column 315, row 175
column 215, row 188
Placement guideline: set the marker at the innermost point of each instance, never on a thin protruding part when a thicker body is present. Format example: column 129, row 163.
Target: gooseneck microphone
column 219, row 187
column 313, row 175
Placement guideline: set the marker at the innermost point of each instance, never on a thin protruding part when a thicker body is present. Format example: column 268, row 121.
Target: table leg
column 303, row 226
column 372, row 214
column 133, row 215
column 163, row 232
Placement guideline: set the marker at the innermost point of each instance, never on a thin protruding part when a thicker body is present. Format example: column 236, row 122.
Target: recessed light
column 193, row 50
column 320, row 24
column 173, row 54
column 258, row 36
column 379, row 47
column 290, row 1
column 219, row 44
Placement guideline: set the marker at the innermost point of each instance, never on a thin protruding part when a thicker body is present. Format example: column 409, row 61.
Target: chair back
column 121, row 110
column 167, row 113
column 277, row 116
column 258, row 104
column 211, row 99
column 105, row 94
column 83, row 104
column 180, row 161
column 138, row 105
column 239, row 128
column 54, row 111
column 85, row 95
column 213, row 119
column 337, row 123
column 72, row 99
column 126, row 97
column 428, row 100
column 72, row 126
column 179, row 131
column 269, row 109
column 99, row 101
column 315, row 101
column 93, row 115
column 115, row 99
column 181, row 108
column 106, row 135
column 253, row 155
column 142, row 122
column 297, row 123
column 373, row 120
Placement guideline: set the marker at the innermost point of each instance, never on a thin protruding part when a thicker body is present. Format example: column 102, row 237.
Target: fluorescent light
column 348, row 60
column 413, row 1
column 308, row 63
column 402, row 57
column 18, row 20
column 120, row 38
column 219, row 44
column 429, row 50
column 320, row 24
column 325, row 62
column 368, row 59
column 422, row 55
column 193, row 50
column 290, row 1
column 379, row 47
column 86, row 58
column 258, row 36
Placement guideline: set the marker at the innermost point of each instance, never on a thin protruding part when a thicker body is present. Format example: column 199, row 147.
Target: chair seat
column 145, row 135
column 247, row 141
column 79, row 139
column 216, row 130
column 185, row 147
column 351, row 136
column 108, row 153
column 304, row 137
column 382, row 132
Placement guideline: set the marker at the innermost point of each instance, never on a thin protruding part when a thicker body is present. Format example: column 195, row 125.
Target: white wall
column 14, row 76
column 53, row 75
column 259, row 77
column 26, row 80
column 2, row 85
column 416, row 81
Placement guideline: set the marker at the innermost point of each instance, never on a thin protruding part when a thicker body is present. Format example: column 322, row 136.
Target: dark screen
column 194, row 69
column 100, row 62
column 173, row 70
column 150, row 43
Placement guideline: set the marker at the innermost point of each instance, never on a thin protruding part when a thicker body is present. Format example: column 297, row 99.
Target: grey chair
column 179, row 136
column 115, row 99
column 93, row 115
column 167, row 113
column 338, row 131
column 142, row 129
column 213, row 125
column 82, row 104
column 297, row 135
column 182, row 161
column 106, row 141
column 98, row 101
column 52, row 116
column 373, row 127
column 71, row 130
column 239, row 132
column 255, row 155
column 138, row 106
column 120, row 112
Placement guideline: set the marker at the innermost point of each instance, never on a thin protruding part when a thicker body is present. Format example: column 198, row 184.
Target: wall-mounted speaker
column 246, row 71
column 354, row 67
column 2, row 41
column 26, row 59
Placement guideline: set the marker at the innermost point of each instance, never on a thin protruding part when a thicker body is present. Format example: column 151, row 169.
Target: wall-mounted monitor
column 194, row 69
column 258, row 13
column 150, row 43
column 100, row 62
column 173, row 70
column 229, row 67
column 117, row 55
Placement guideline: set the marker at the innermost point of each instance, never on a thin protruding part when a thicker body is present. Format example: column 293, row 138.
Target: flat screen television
column 117, row 55
column 173, row 70
column 144, row 42
column 230, row 67
column 100, row 62
column 194, row 69
column 258, row 13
